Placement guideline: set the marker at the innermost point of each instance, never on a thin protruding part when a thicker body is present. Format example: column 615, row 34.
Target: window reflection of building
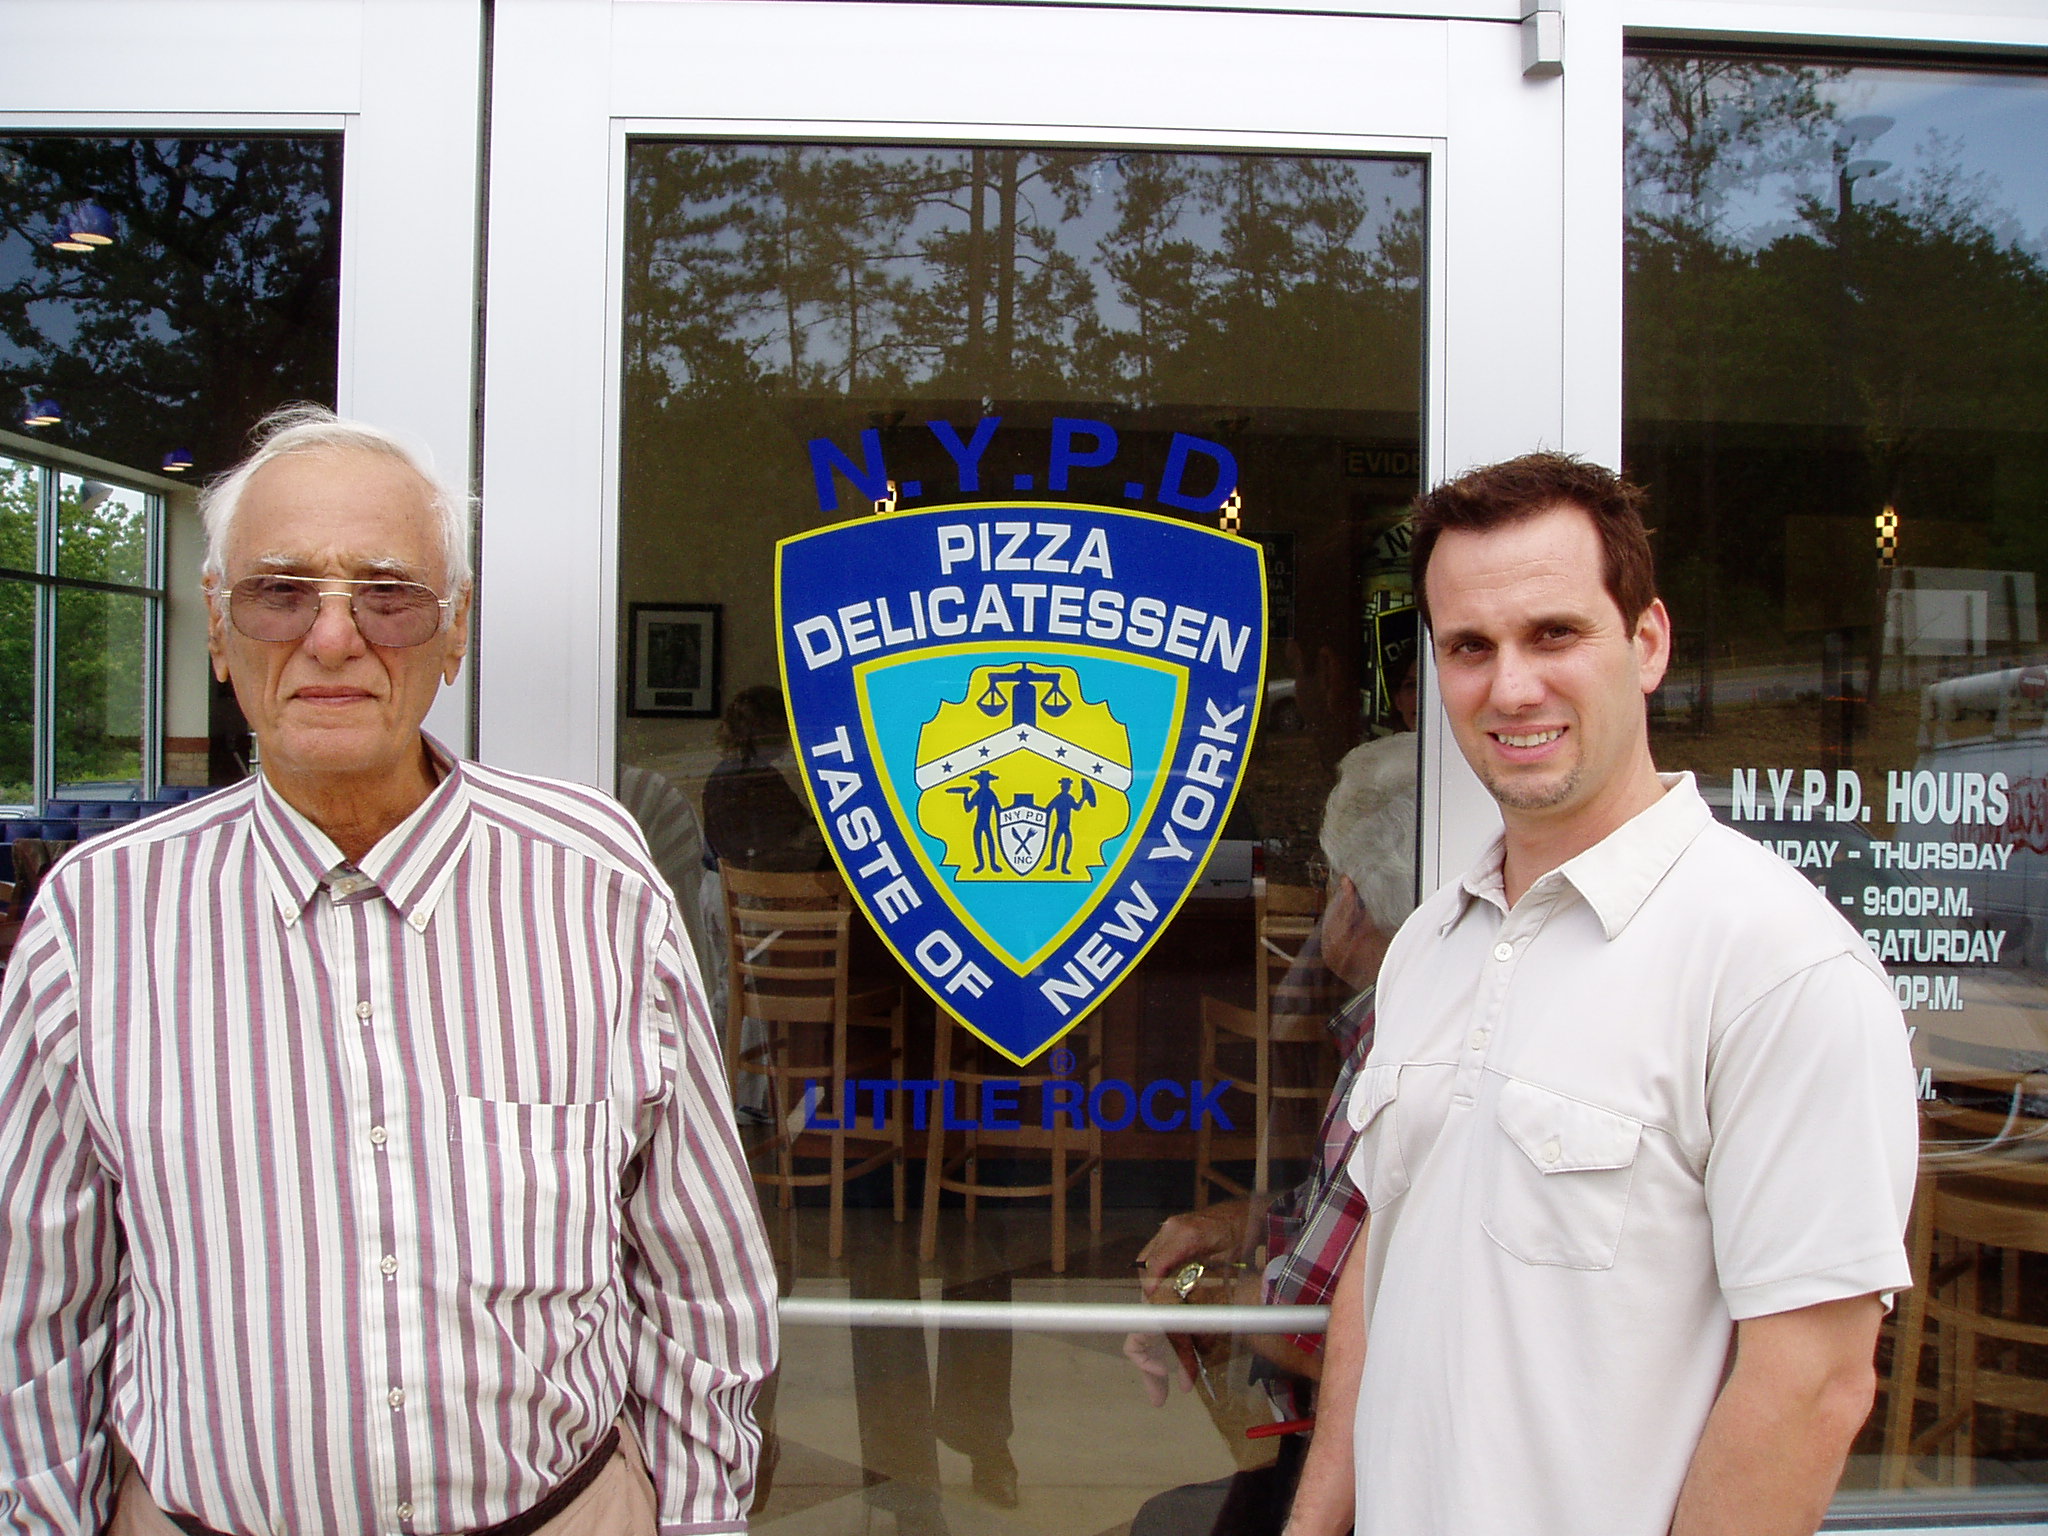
column 1837, row 279
column 206, row 293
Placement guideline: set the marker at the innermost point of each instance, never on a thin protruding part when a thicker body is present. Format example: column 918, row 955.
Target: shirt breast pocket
column 536, row 1194
column 1563, row 1173
column 1376, row 1165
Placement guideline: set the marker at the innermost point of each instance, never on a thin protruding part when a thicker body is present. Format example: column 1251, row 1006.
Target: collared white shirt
column 1669, row 1090
column 364, row 1198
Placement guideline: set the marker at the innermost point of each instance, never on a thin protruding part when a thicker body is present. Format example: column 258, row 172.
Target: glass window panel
column 217, row 298
column 102, row 532
column 19, row 489
column 777, row 294
column 17, row 692
column 211, row 296
column 101, row 667
column 1837, row 392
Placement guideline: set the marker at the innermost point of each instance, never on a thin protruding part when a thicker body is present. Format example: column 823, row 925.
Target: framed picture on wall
column 672, row 660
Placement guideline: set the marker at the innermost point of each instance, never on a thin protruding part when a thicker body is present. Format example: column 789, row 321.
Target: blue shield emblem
column 1022, row 727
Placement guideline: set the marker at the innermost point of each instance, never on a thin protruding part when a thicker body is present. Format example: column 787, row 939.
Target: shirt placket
column 1514, row 932
column 378, row 1152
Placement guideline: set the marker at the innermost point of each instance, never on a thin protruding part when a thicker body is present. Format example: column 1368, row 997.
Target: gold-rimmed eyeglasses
column 389, row 613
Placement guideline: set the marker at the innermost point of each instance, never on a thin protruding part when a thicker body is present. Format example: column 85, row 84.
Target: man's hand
column 1772, row 1451
column 1159, row 1360
column 1216, row 1234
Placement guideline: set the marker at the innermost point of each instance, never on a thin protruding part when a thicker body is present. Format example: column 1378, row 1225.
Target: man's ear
column 458, row 636
column 216, row 627
column 1652, row 641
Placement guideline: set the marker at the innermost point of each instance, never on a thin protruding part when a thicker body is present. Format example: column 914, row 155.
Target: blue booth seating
column 75, row 820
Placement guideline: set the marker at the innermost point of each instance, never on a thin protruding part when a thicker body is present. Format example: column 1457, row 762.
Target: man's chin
column 336, row 748
column 1531, row 794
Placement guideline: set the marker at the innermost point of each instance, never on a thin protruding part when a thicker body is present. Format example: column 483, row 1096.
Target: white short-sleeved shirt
column 1670, row 1090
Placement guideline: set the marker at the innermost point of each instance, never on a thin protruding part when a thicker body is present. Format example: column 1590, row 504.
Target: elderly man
column 1639, row 1095
column 1368, row 839
column 364, row 1155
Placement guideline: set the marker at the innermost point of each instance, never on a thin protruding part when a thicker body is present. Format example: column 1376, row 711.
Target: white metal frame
column 575, row 81
column 399, row 79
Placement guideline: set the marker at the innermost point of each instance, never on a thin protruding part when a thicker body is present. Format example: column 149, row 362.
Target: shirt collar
column 1616, row 874
column 1350, row 1021
column 409, row 865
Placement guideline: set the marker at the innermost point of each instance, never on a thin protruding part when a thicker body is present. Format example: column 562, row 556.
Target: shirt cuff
column 1864, row 1277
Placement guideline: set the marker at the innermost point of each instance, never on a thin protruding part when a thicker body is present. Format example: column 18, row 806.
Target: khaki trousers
column 618, row 1502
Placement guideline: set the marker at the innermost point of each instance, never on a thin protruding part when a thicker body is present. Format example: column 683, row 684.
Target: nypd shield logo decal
column 1022, row 727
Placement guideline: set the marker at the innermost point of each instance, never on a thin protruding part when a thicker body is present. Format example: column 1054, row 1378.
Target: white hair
column 1369, row 827
column 306, row 428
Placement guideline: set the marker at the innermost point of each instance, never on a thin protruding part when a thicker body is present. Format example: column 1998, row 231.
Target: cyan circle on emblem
column 1019, row 916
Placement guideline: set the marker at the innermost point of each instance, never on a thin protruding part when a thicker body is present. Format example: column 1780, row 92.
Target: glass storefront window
column 1837, row 299
column 205, row 292
column 999, row 325
column 19, row 492
column 214, row 297
column 101, row 697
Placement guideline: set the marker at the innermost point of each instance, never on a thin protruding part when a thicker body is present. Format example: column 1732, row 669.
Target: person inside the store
column 365, row 1165
column 1368, row 842
column 1637, row 1131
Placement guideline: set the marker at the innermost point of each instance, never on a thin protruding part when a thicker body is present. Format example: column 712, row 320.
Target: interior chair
column 1981, row 1203
column 788, row 937
column 961, row 1066
column 1278, row 1051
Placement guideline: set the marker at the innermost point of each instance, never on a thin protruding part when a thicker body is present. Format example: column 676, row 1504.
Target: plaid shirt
column 1310, row 1228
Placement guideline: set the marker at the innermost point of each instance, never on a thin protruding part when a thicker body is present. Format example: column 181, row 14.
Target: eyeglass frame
column 325, row 585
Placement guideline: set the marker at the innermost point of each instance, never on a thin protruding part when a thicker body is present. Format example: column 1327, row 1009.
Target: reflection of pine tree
column 1799, row 343
column 1006, row 310
column 218, row 300
column 1155, row 265
column 1017, row 274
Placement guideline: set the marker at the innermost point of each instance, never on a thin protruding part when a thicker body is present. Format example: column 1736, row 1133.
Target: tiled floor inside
column 1088, row 1447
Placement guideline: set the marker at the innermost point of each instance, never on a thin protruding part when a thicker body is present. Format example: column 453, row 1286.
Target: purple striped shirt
column 365, row 1199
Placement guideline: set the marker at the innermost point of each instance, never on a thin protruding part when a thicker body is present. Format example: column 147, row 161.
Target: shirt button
column 378, row 1136
column 405, row 1511
column 418, row 921
column 396, row 1398
column 390, row 1265
column 1503, row 950
column 363, row 1010
column 1552, row 1150
column 1476, row 1039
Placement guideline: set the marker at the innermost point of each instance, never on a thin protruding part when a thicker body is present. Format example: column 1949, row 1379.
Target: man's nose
column 1517, row 680
column 334, row 633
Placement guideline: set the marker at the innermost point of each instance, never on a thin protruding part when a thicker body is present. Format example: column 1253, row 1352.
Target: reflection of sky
column 1387, row 190
column 1990, row 128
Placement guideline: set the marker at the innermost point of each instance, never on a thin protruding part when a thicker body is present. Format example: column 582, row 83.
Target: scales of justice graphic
column 1024, row 779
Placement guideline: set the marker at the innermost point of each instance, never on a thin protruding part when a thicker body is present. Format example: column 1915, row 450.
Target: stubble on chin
column 1521, row 795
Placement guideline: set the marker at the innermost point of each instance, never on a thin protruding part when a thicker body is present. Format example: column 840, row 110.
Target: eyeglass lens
column 388, row 613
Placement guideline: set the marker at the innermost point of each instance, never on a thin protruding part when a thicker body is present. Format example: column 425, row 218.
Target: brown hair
column 754, row 721
column 1509, row 492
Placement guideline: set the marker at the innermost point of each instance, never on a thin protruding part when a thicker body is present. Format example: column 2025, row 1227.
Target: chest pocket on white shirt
column 1563, row 1170
column 538, row 1177
column 1376, row 1164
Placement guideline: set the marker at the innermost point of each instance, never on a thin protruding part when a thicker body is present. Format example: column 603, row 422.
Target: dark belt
column 565, row 1494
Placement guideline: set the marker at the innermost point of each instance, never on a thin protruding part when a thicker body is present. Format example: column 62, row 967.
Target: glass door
column 1048, row 270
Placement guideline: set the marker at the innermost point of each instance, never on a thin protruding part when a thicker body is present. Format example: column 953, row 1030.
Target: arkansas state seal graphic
column 1022, row 727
